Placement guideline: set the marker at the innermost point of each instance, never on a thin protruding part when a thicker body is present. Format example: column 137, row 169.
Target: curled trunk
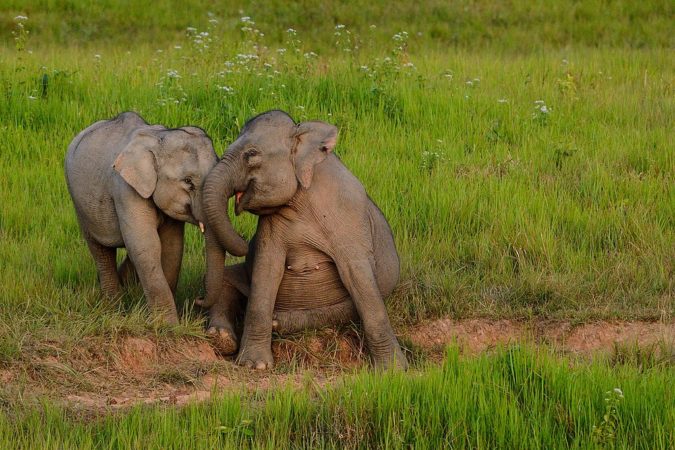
column 219, row 233
column 218, row 188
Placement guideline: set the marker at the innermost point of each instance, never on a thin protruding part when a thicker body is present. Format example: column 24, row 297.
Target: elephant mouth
column 238, row 203
column 242, row 198
column 188, row 215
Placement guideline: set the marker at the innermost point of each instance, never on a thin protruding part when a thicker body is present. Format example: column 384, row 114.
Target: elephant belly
column 310, row 281
column 99, row 221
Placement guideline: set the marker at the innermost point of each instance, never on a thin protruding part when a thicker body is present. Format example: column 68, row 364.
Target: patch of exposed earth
column 100, row 375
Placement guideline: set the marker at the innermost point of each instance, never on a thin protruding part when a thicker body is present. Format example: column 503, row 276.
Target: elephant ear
column 313, row 142
column 137, row 165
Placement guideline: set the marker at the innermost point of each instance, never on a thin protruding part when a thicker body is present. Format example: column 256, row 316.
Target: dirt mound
column 102, row 375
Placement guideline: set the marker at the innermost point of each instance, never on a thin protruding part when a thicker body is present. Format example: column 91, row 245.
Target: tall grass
column 517, row 185
column 515, row 398
column 522, row 152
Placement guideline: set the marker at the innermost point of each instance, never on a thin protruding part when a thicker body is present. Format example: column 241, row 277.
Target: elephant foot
column 221, row 332
column 256, row 357
column 393, row 358
column 223, row 340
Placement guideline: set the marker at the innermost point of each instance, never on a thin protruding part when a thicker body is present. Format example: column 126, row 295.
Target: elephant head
column 271, row 159
column 171, row 165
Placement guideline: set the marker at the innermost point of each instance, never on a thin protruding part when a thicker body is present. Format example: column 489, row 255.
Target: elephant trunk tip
column 239, row 248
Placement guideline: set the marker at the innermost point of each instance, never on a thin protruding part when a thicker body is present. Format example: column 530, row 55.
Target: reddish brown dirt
column 474, row 335
column 101, row 375
column 477, row 335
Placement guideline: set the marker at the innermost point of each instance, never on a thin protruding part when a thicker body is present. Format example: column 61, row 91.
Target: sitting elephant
column 134, row 185
column 322, row 254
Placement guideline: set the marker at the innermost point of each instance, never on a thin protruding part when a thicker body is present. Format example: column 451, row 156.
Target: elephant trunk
column 218, row 187
column 218, row 233
column 215, row 268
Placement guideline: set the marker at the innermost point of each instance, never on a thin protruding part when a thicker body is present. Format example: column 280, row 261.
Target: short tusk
column 201, row 227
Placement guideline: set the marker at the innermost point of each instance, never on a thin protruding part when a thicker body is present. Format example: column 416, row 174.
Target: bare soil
column 101, row 376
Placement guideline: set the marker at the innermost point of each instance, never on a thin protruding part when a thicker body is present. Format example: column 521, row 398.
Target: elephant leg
column 106, row 266
column 358, row 277
column 267, row 272
column 223, row 314
column 127, row 272
column 146, row 253
column 292, row 321
column 171, row 238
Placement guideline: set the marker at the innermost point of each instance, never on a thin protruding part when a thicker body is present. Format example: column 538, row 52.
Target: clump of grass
column 644, row 357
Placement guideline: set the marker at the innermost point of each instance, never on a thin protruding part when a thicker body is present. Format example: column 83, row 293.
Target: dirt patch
column 322, row 349
column 604, row 336
column 100, row 375
column 477, row 335
column 474, row 335
column 137, row 355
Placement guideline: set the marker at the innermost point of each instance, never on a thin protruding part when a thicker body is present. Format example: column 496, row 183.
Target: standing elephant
column 322, row 254
column 134, row 185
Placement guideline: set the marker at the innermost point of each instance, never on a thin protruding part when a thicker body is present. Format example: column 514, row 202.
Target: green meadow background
column 522, row 152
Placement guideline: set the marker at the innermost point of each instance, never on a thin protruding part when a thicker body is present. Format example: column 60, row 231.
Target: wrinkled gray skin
column 323, row 253
column 134, row 185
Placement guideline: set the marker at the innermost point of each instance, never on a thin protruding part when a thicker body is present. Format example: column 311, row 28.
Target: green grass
column 514, row 398
column 499, row 208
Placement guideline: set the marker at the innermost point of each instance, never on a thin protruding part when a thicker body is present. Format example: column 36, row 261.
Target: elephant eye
column 188, row 181
column 250, row 156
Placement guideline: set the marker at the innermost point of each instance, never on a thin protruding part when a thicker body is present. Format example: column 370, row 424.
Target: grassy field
column 521, row 151
column 516, row 398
